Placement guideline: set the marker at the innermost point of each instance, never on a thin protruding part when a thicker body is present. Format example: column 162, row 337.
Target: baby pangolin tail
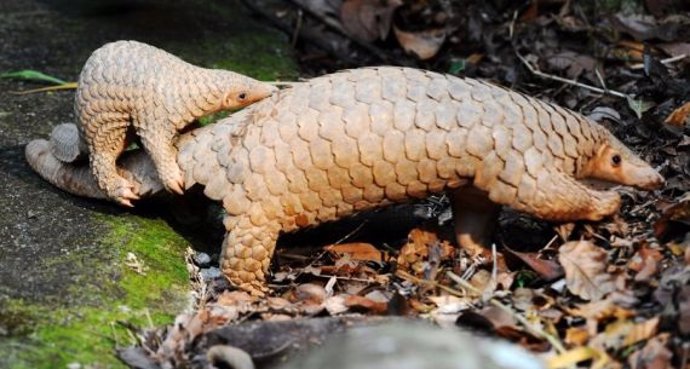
column 77, row 179
column 66, row 144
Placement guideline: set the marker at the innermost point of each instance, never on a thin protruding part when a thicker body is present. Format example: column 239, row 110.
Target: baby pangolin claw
column 124, row 194
column 255, row 288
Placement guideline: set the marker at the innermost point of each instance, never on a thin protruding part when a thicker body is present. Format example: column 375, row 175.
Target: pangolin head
column 614, row 162
column 242, row 91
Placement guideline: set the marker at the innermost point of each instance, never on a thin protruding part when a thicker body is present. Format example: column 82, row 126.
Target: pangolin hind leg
column 109, row 142
column 247, row 252
column 474, row 217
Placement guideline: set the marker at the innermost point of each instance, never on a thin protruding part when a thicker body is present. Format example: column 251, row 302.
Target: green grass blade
column 32, row 75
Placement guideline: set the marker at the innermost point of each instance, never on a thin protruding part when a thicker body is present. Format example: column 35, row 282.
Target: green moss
column 212, row 118
column 255, row 55
column 260, row 55
column 87, row 330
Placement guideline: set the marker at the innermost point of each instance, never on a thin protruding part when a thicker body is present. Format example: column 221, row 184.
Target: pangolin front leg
column 158, row 145
column 556, row 196
column 247, row 251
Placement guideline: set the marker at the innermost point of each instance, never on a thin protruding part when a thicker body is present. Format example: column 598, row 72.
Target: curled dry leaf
column 424, row 44
column 422, row 246
column 358, row 251
column 548, row 270
column 679, row 117
column 356, row 301
column 585, row 270
column 368, row 20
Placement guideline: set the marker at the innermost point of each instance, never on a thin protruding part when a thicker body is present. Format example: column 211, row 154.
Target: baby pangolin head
column 614, row 162
column 243, row 91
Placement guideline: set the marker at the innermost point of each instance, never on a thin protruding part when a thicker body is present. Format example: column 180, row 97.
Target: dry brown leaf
column 357, row 251
column 420, row 242
column 548, row 270
column 308, row 293
column 356, row 301
column 423, row 44
column 523, row 299
column 632, row 51
column 679, row 117
column 481, row 279
column 569, row 358
column 368, row 20
column 684, row 309
column 499, row 317
column 654, row 355
column 585, row 270
column 448, row 304
column 574, row 64
column 576, row 336
column 645, row 262
column 234, row 298
column 475, row 58
column 675, row 48
column 600, row 310
column 642, row 331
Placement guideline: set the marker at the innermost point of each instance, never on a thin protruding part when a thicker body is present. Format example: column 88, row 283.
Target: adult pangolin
column 366, row 138
column 131, row 84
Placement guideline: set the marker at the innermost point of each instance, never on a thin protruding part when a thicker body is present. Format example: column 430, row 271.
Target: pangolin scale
column 365, row 138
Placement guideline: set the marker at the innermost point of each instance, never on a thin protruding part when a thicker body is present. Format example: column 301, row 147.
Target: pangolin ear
column 236, row 99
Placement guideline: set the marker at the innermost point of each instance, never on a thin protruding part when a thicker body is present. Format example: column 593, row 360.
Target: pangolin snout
column 653, row 181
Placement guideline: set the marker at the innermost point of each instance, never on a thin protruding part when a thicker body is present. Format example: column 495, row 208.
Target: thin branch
column 405, row 275
column 539, row 73
column 663, row 61
column 64, row 86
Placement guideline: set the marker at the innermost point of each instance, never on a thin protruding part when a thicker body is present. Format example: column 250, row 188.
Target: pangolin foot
column 255, row 288
column 173, row 180
column 124, row 193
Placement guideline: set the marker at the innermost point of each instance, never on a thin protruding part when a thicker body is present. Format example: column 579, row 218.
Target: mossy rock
column 141, row 280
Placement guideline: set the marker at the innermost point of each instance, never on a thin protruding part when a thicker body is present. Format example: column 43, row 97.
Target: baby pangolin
column 131, row 84
column 365, row 138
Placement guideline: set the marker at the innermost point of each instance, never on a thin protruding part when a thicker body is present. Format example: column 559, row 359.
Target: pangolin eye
column 616, row 160
column 242, row 96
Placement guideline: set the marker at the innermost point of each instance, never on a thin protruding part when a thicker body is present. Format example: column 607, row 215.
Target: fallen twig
column 64, row 86
column 670, row 60
column 405, row 275
column 539, row 73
